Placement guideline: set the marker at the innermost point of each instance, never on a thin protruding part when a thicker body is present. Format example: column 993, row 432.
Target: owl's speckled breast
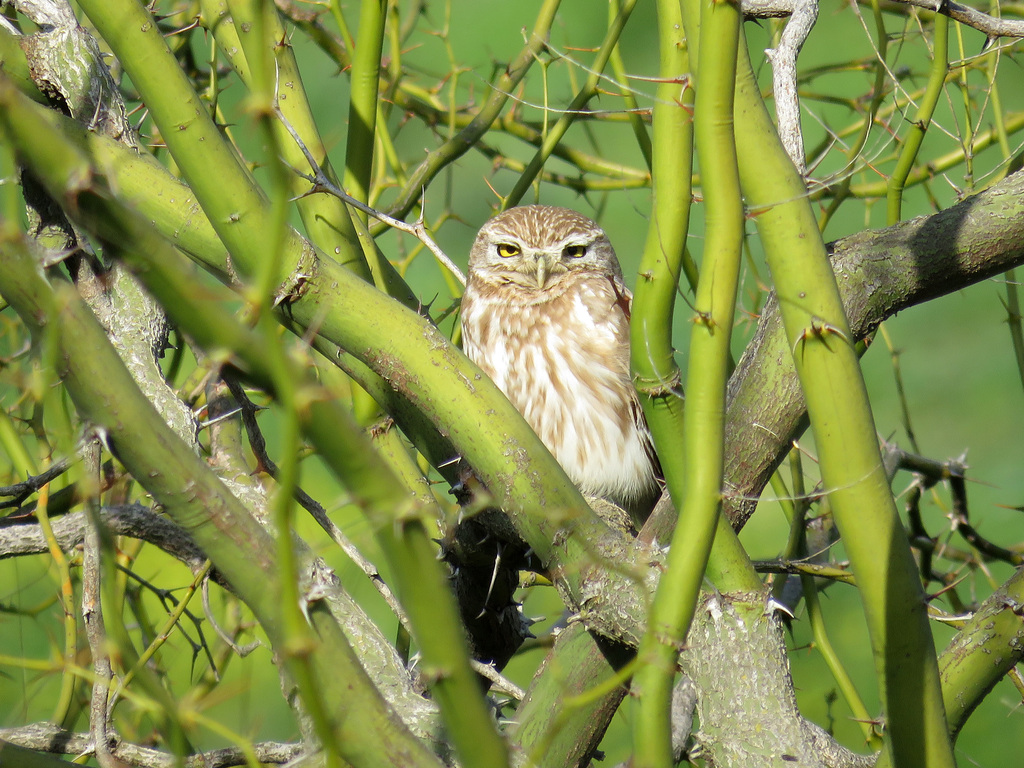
column 562, row 358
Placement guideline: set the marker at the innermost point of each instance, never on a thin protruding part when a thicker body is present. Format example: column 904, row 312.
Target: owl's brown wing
column 624, row 302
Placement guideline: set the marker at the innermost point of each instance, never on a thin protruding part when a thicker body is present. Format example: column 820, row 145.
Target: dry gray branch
column 736, row 648
column 134, row 520
column 92, row 617
column 783, row 61
column 48, row 738
column 768, row 9
column 972, row 17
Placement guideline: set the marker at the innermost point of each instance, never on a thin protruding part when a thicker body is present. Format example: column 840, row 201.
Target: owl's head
column 536, row 246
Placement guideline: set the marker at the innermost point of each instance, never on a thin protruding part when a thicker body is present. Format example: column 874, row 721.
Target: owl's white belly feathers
column 572, row 386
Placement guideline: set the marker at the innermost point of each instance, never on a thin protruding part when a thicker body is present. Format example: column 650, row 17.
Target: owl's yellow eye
column 507, row 250
column 575, row 251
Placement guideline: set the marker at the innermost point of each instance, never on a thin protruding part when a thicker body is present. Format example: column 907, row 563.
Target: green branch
column 923, row 118
column 362, row 113
column 675, row 601
column 15, row 66
column 571, row 700
column 826, row 360
column 658, row 379
column 985, row 649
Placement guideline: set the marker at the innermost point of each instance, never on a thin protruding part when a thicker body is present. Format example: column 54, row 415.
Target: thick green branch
column 572, row 699
column 658, row 378
column 362, row 114
column 821, row 344
column 14, row 65
column 984, row 650
column 675, row 601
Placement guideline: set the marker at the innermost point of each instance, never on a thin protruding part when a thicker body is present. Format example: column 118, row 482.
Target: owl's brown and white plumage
column 546, row 316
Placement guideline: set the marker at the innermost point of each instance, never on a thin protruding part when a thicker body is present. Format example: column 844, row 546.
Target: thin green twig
column 922, row 119
column 586, row 93
column 676, row 597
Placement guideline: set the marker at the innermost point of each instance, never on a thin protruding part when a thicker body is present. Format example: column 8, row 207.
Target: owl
column 546, row 316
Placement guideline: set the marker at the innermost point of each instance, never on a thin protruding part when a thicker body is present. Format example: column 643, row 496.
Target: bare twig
column 498, row 681
column 321, row 183
column 783, row 60
column 134, row 520
column 971, row 17
column 17, row 493
column 92, row 616
column 46, row 737
column 176, row 609
column 830, row 572
column 241, row 650
column 962, row 525
column 919, row 536
column 930, row 472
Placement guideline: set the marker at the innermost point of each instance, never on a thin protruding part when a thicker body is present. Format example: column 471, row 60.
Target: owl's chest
column 559, row 348
column 564, row 364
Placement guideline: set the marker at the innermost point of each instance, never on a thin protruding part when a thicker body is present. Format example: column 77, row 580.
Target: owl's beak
column 543, row 269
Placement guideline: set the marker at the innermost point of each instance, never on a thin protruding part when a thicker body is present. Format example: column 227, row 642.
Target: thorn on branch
column 819, row 329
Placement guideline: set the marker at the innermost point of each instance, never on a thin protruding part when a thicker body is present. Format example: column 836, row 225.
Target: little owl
column 546, row 316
